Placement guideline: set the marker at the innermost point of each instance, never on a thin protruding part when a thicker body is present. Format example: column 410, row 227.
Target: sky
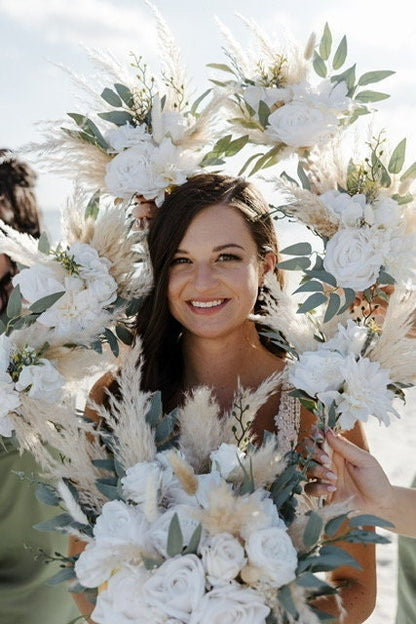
column 38, row 37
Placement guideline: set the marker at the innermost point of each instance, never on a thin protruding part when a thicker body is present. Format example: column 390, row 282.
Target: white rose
column 176, row 587
column 265, row 516
column 43, row 380
column 206, row 482
column 271, row 550
column 121, row 602
column 39, row 281
column 299, row 124
column 351, row 257
column 333, row 96
column 269, row 95
column 97, row 562
column 230, row 604
column 139, row 477
column 159, row 530
column 121, row 523
column 10, row 402
column 365, row 393
column 149, row 170
column 387, row 213
column 348, row 339
column 317, row 371
column 349, row 209
column 103, row 291
column 126, row 136
column 226, row 459
column 223, row 558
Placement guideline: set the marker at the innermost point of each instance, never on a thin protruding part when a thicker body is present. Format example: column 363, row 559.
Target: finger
column 318, row 488
column 317, row 471
column 348, row 450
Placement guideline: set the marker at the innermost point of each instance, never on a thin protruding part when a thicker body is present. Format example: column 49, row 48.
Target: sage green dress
column 406, row 580
column 24, row 597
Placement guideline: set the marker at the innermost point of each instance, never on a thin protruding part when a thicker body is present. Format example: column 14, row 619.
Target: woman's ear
column 268, row 265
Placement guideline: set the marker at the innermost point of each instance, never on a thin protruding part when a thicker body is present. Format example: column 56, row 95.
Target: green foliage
column 93, row 206
column 43, row 243
column 175, row 538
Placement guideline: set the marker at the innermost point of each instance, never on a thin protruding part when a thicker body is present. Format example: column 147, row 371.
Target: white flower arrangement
column 24, row 370
column 173, row 544
column 142, row 136
column 275, row 100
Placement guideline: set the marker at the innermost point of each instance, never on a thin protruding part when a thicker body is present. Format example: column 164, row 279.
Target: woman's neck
column 222, row 363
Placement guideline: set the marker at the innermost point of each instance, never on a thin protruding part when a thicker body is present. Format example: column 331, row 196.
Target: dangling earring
column 261, row 294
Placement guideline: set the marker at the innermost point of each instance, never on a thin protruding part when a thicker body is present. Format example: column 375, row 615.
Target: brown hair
column 158, row 330
column 18, row 207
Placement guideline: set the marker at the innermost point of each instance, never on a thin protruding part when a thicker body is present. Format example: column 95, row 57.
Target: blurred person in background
column 24, row 597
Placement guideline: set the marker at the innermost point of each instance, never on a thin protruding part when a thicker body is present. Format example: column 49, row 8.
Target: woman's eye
column 228, row 257
column 180, row 260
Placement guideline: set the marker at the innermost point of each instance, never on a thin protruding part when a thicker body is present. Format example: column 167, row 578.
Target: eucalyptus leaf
column 198, row 101
column 334, row 303
column 264, row 113
column 112, row 341
column 155, row 412
column 325, row 44
column 403, row 199
column 47, row 494
column 347, row 76
column 311, row 303
column 124, row 334
column 369, row 520
column 221, row 67
column 110, row 491
column 340, row 54
column 313, row 529
column 111, row 98
column 118, row 118
column 192, row 547
column 333, row 526
column 287, row 602
column 310, row 286
column 294, row 264
column 14, row 305
column 298, row 249
column 58, row 523
column 371, row 96
column 385, row 278
column 303, row 177
column 93, row 206
column 309, row 580
column 319, row 65
column 175, row 537
column 151, row 564
column 349, row 295
column 125, row 94
column 165, row 427
column 374, row 76
column 44, row 303
column 323, row 276
column 65, row 574
column 235, row 146
column 43, row 244
column 104, row 464
column 340, row 555
column 267, row 160
column 396, row 161
column 410, row 172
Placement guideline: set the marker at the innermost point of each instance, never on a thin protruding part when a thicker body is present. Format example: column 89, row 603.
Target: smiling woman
column 211, row 244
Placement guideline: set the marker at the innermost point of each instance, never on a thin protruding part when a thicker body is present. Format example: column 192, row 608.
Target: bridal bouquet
column 186, row 521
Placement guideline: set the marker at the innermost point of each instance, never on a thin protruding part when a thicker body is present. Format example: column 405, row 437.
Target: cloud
column 110, row 25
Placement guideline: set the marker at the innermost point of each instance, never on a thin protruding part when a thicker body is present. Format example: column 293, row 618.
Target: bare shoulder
column 98, row 394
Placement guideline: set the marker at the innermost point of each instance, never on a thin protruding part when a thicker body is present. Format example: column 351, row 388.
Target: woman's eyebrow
column 218, row 248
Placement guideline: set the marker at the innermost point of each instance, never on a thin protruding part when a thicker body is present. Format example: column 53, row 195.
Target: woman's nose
column 204, row 277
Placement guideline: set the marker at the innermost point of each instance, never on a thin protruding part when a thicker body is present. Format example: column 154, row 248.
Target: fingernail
column 325, row 460
column 331, row 475
column 331, row 488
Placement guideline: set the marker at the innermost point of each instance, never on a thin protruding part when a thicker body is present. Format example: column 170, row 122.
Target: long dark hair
column 18, row 207
column 156, row 327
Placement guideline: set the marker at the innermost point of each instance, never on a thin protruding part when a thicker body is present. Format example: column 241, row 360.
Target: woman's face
column 215, row 274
